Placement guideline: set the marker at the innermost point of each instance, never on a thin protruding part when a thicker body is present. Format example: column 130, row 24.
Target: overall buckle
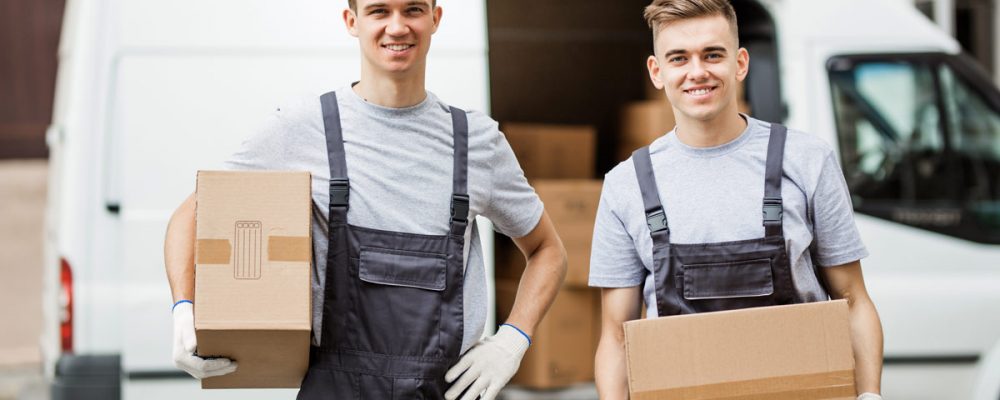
column 340, row 191
column 657, row 221
column 772, row 210
column 460, row 207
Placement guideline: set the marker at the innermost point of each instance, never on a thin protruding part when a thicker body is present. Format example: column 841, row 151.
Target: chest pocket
column 733, row 279
column 403, row 268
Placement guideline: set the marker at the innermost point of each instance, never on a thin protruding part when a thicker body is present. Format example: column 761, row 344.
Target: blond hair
column 660, row 13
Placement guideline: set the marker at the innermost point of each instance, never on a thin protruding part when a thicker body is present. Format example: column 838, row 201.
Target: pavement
column 22, row 202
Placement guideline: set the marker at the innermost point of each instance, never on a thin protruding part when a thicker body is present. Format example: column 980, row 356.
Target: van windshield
column 920, row 141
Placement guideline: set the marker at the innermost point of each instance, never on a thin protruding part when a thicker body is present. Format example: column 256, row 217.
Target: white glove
column 185, row 343
column 488, row 365
column 869, row 396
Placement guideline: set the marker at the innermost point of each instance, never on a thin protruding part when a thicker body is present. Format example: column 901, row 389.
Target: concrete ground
column 22, row 202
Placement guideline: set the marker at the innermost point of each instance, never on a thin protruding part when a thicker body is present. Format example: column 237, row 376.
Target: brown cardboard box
column 553, row 151
column 642, row 122
column 572, row 206
column 562, row 349
column 252, row 288
column 798, row 351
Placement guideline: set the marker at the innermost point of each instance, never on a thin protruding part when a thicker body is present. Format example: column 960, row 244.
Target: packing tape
column 212, row 251
column 289, row 248
column 827, row 385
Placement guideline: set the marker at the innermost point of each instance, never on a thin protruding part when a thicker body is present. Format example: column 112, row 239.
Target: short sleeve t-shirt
column 715, row 194
column 399, row 163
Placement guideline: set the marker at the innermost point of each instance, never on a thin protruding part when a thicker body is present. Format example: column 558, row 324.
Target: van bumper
column 87, row 377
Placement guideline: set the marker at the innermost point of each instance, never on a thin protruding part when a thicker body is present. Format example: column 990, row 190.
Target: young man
column 695, row 196
column 397, row 175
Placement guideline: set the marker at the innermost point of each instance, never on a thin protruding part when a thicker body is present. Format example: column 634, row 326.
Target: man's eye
column 378, row 11
column 714, row 56
column 415, row 10
column 675, row 59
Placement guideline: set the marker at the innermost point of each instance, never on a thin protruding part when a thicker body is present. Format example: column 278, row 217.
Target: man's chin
column 701, row 114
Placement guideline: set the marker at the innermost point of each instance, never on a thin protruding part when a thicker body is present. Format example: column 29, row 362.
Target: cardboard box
column 562, row 349
column 798, row 351
column 642, row 122
column 553, row 151
column 572, row 206
column 252, row 276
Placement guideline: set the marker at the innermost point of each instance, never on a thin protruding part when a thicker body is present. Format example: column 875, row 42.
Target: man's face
column 697, row 63
column 395, row 35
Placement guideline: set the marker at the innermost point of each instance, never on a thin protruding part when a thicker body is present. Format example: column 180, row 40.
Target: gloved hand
column 185, row 343
column 488, row 365
column 869, row 396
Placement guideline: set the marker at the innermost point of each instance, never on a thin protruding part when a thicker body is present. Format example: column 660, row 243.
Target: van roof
column 865, row 25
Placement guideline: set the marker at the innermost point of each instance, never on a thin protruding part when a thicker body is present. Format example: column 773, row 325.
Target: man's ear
column 653, row 65
column 351, row 22
column 742, row 64
column 437, row 18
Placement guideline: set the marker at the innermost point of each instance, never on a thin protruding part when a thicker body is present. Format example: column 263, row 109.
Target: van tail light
column 65, row 306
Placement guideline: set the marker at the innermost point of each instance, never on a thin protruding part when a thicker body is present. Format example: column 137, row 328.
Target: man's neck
column 393, row 91
column 714, row 132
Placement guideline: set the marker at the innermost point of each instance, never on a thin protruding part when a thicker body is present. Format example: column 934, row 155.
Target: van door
column 919, row 140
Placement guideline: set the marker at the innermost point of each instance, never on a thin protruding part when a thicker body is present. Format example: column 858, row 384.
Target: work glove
column 488, row 365
column 869, row 396
column 185, row 343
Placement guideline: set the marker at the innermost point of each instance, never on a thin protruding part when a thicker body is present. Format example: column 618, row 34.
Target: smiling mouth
column 700, row 91
column 397, row 47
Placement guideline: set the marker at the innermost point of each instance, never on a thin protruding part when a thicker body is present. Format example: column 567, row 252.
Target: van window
column 918, row 145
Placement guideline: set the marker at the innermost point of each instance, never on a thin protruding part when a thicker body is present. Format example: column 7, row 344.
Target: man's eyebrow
column 709, row 49
column 674, row 52
column 374, row 5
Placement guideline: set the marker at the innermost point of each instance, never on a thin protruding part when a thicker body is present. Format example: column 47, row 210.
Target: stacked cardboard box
column 559, row 163
column 559, row 355
column 644, row 121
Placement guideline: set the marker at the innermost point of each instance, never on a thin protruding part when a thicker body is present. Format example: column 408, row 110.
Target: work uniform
column 392, row 320
column 743, row 224
column 398, row 194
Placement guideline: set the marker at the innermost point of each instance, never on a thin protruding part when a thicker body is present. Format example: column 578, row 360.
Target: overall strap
column 460, row 175
column 656, row 219
column 772, row 180
column 340, row 188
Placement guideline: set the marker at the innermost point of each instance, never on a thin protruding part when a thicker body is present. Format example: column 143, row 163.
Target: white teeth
column 397, row 47
column 699, row 92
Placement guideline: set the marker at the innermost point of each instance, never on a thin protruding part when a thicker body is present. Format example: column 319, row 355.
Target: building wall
column 29, row 40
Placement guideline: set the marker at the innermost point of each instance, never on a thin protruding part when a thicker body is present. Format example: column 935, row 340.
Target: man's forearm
column 178, row 251
column 866, row 336
column 609, row 368
column 543, row 275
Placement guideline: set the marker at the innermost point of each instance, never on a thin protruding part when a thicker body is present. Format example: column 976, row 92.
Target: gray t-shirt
column 715, row 195
column 399, row 162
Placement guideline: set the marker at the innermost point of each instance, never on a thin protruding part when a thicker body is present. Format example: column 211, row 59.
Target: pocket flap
column 403, row 268
column 750, row 278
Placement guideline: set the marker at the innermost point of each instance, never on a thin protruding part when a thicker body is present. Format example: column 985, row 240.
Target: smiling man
column 399, row 288
column 762, row 214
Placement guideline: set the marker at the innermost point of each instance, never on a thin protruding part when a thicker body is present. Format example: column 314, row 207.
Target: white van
column 149, row 91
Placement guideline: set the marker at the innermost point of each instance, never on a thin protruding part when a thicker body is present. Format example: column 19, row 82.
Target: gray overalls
column 694, row 278
column 392, row 318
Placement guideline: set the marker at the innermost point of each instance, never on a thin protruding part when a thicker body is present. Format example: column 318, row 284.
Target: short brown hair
column 354, row 4
column 662, row 12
